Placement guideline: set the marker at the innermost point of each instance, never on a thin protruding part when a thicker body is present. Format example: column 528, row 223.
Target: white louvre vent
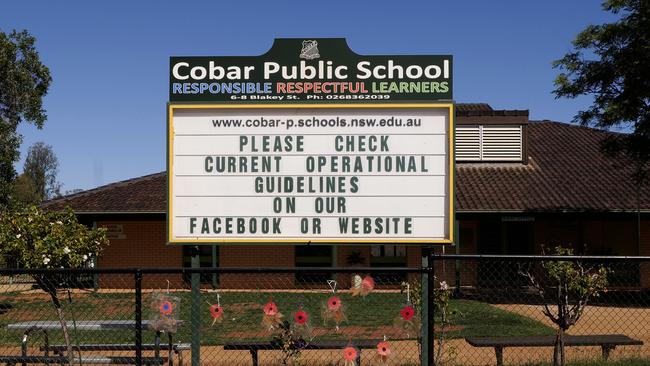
column 489, row 143
column 468, row 143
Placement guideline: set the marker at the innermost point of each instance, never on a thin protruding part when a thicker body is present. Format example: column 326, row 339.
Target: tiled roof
column 475, row 107
column 566, row 172
column 142, row 194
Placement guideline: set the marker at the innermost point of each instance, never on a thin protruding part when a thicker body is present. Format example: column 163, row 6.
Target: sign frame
column 449, row 106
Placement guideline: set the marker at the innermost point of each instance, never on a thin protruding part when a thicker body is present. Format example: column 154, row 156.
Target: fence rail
column 272, row 316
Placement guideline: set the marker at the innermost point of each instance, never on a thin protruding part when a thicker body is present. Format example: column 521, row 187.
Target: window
column 489, row 143
column 388, row 256
column 313, row 256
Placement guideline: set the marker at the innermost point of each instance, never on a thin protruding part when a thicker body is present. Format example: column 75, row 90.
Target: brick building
column 520, row 185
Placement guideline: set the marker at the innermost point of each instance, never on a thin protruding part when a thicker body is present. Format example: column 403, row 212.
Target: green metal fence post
column 430, row 300
column 457, row 248
column 424, row 304
column 138, row 317
column 196, row 309
column 215, row 252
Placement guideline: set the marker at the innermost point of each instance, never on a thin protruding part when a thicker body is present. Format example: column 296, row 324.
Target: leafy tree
column 24, row 80
column 49, row 239
column 570, row 285
column 41, row 166
column 24, row 192
column 611, row 62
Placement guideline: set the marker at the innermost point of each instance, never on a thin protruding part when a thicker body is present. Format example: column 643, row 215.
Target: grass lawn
column 368, row 318
column 481, row 319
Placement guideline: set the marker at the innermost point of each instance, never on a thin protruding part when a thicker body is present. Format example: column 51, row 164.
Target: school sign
column 310, row 143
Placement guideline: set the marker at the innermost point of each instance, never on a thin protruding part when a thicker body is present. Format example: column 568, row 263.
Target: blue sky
column 109, row 60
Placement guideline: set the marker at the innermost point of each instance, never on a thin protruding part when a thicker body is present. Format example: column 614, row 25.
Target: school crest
column 309, row 50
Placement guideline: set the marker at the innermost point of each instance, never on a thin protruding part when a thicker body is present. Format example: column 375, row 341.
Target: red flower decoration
column 350, row 353
column 216, row 311
column 300, row 317
column 407, row 312
column 334, row 303
column 166, row 308
column 270, row 308
column 383, row 348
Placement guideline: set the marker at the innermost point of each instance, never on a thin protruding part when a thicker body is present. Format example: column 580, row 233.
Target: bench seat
column 607, row 342
column 177, row 348
column 254, row 347
column 13, row 360
column 108, row 360
column 116, row 347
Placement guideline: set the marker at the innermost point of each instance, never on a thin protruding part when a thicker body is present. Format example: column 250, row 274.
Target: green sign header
column 310, row 70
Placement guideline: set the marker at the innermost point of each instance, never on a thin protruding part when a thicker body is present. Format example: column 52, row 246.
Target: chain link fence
column 178, row 316
column 482, row 310
column 9, row 262
column 502, row 309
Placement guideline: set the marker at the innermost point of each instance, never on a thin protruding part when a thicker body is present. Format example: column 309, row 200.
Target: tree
column 611, row 62
column 24, row 192
column 570, row 285
column 24, row 80
column 50, row 239
column 41, row 166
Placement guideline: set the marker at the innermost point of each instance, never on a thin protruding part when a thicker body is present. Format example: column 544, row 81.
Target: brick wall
column 256, row 256
column 138, row 243
column 142, row 243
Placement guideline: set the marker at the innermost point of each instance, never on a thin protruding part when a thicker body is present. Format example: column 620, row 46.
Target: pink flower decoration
column 383, row 348
column 368, row 283
column 334, row 303
column 216, row 311
column 270, row 308
column 300, row 317
column 444, row 286
column 166, row 308
column 349, row 353
column 407, row 312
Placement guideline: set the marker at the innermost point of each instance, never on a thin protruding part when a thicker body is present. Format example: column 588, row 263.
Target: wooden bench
column 607, row 342
column 13, row 360
column 114, row 360
column 178, row 348
column 43, row 326
column 254, row 347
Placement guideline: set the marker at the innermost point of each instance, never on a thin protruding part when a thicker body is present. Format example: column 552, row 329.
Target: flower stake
column 407, row 321
column 367, row 285
column 165, row 308
column 301, row 324
column 333, row 309
column 364, row 288
column 350, row 355
column 216, row 311
column 383, row 350
column 272, row 316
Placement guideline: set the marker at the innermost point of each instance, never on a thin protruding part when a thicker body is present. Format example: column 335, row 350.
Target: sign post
column 311, row 143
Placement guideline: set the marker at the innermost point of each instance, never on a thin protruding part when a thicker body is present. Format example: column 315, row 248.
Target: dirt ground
column 22, row 287
column 633, row 322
